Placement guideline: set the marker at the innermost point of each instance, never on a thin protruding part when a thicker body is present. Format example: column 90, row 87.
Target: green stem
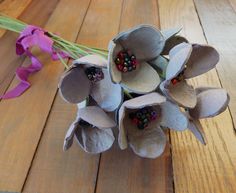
column 128, row 94
column 62, row 61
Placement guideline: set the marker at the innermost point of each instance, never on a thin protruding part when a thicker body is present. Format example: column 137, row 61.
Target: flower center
column 94, row 74
column 142, row 117
column 178, row 78
column 126, row 62
column 84, row 123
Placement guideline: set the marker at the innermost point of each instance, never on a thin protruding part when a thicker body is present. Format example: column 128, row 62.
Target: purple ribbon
column 29, row 37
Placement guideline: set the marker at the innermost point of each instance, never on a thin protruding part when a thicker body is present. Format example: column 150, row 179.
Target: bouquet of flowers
column 138, row 86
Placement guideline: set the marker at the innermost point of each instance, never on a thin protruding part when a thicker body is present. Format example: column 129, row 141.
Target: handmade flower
column 88, row 76
column 187, row 61
column 141, row 120
column 210, row 103
column 128, row 55
column 92, row 130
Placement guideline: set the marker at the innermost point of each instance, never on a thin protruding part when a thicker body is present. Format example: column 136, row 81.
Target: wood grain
column 74, row 171
column 218, row 19
column 9, row 60
column 200, row 168
column 123, row 171
column 23, row 119
column 12, row 8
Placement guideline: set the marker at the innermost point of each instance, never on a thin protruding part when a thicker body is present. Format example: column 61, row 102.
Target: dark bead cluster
column 126, row 62
column 94, row 74
column 142, row 117
column 178, row 78
column 84, row 123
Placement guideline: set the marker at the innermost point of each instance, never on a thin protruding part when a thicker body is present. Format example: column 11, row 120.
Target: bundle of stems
column 73, row 50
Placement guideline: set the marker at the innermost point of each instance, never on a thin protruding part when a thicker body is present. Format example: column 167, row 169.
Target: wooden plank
column 9, row 60
column 199, row 168
column 73, row 171
column 220, row 15
column 123, row 171
column 23, row 119
column 12, row 8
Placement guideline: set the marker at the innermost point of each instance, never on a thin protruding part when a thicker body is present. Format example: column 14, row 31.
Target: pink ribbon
column 29, row 37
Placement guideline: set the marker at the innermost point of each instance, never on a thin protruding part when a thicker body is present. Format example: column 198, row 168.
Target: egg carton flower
column 88, row 76
column 210, row 103
column 129, row 53
column 92, row 129
column 187, row 61
column 141, row 121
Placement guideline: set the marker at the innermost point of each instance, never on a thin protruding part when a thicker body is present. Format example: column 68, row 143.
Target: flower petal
column 96, row 117
column 210, row 103
column 203, row 58
column 142, row 80
column 172, row 42
column 179, row 56
column 68, row 141
column 168, row 33
column 114, row 49
column 92, row 60
column 144, row 41
column 172, row 117
column 181, row 93
column 150, row 99
column 196, row 128
column 107, row 94
column 149, row 143
column 122, row 135
column 160, row 65
column 94, row 140
column 74, row 85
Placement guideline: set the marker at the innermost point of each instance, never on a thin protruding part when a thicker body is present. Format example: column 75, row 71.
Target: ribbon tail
column 22, row 73
column 17, row 91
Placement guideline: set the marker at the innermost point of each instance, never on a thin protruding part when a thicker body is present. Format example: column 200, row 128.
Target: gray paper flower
column 129, row 52
column 92, row 130
column 88, row 76
column 187, row 61
column 141, row 120
column 210, row 103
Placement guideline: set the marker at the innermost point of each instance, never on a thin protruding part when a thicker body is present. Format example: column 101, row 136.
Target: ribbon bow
column 29, row 37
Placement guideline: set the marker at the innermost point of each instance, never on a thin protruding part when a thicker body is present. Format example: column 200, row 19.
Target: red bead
column 120, row 55
column 174, row 81
column 134, row 62
column 135, row 121
column 120, row 67
column 125, row 69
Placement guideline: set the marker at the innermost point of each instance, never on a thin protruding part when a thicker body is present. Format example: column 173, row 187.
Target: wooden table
column 32, row 127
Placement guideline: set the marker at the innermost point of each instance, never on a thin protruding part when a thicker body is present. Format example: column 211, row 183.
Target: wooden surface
column 32, row 127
